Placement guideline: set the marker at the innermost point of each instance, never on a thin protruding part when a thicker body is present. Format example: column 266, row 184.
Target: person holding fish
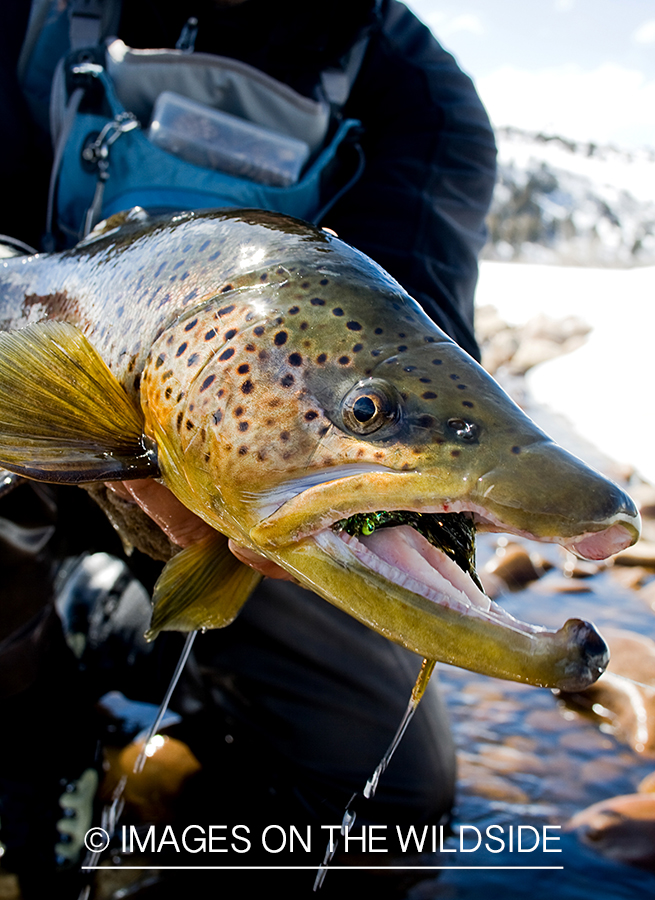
column 401, row 164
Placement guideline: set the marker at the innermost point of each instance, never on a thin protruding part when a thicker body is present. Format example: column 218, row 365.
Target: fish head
column 315, row 413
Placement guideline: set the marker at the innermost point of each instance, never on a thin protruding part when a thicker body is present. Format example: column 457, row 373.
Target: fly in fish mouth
column 452, row 533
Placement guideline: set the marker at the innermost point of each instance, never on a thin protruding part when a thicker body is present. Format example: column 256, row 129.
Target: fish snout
column 547, row 493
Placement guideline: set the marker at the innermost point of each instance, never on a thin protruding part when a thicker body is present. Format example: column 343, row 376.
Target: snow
column 606, row 388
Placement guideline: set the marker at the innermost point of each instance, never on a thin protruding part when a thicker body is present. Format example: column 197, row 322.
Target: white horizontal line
column 311, row 868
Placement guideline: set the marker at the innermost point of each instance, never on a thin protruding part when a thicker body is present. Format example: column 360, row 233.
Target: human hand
column 184, row 527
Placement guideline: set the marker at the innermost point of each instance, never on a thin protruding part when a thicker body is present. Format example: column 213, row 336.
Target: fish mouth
column 431, row 554
column 411, row 577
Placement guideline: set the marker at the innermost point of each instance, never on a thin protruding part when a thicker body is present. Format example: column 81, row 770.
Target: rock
column 647, row 784
column 617, row 699
column 150, row 794
column 515, row 565
column 621, row 829
column 641, row 554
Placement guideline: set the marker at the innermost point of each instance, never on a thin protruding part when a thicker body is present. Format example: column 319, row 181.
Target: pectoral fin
column 204, row 586
column 64, row 416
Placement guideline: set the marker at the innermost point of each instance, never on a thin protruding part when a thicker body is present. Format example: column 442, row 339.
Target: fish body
column 287, row 389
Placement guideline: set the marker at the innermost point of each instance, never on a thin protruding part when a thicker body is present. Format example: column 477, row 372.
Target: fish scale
column 279, row 382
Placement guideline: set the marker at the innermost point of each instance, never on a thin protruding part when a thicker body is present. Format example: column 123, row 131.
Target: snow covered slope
column 572, row 203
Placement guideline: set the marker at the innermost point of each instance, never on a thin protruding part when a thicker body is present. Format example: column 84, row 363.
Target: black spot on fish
column 179, row 397
column 193, row 359
column 167, row 375
column 173, row 278
column 429, row 395
column 379, row 331
column 294, row 310
column 287, row 380
column 316, row 301
column 243, row 450
column 217, row 416
column 211, row 334
column 220, row 392
column 357, row 348
column 214, row 256
column 243, row 369
column 454, row 452
column 402, row 348
column 244, row 426
column 425, row 421
column 295, row 359
column 311, row 415
column 191, row 294
column 280, row 338
column 516, row 450
column 305, row 285
column 259, row 330
column 467, row 403
column 324, row 281
column 189, row 425
column 247, row 386
column 226, row 354
column 178, row 264
column 180, row 416
column 208, row 380
column 429, row 340
column 191, row 324
column 375, row 352
column 401, row 334
column 137, row 382
column 168, row 392
column 225, row 310
column 425, row 380
column 461, row 387
column 344, row 360
column 203, row 246
column 239, row 411
column 304, row 326
column 250, row 348
column 161, row 359
column 337, row 312
column 284, row 436
column 321, row 358
column 263, row 277
column 159, row 270
column 353, row 326
column 263, row 355
column 437, row 362
column 228, row 287
column 454, row 377
column 181, row 349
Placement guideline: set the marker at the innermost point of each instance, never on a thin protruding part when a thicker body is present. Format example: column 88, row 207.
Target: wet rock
column 621, row 829
column 641, row 554
column 515, row 565
column 632, row 577
column 616, row 697
column 647, row 784
column 151, row 793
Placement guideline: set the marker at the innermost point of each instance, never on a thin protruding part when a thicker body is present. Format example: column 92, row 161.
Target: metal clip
column 97, row 153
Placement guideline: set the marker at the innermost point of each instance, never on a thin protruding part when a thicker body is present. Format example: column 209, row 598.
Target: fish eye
column 467, row 431
column 369, row 406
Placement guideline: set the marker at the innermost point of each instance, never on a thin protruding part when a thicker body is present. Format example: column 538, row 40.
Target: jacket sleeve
column 419, row 207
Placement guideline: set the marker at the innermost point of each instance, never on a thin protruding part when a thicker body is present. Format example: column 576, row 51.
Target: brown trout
column 290, row 393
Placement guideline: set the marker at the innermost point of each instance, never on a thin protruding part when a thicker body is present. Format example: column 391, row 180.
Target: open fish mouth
column 431, row 554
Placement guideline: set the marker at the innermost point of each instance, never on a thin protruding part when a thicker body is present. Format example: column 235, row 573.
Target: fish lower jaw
column 403, row 557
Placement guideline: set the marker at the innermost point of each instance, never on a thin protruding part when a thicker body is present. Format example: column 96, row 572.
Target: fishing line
column 349, row 816
column 141, row 758
column 112, row 811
